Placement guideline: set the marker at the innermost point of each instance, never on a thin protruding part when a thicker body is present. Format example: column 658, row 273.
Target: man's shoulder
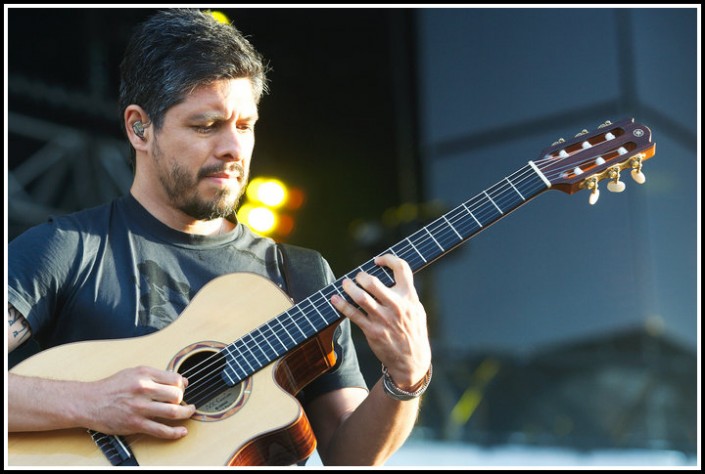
column 88, row 218
column 91, row 220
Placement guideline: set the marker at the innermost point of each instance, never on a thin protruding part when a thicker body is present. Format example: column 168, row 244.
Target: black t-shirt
column 115, row 271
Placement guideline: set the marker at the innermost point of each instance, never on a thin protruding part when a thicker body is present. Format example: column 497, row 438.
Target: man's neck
column 180, row 221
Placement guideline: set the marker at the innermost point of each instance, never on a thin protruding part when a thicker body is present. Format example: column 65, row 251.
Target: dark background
column 328, row 126
column 366, row 116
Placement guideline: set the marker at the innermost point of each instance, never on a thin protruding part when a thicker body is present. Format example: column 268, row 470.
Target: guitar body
column 257, row 422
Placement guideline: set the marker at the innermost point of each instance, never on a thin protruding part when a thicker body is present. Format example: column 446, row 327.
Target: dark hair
column 177, row 50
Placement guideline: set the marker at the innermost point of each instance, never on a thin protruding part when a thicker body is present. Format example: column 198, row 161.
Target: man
column 189, row 95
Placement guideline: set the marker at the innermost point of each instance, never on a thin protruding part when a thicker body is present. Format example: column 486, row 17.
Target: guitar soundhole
column 204, row 365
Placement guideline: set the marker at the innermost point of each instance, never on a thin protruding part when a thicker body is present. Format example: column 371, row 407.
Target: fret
column 285, row 330
column 462, row 225
column 231, row 357
column 248, row 350
column 505, row 196
column 451, row 226
column 278, row 339
column 266, row 339
column 434, row 239
column 295, row 324
column 336, row 286
column 240, row 356
column 327, row 301
column 386, row 272
column 417, row 250
column 298, row 307
column 257, row 346
column 306, row 312
column 495, row 204
column 339, row 291
column 528, row 182
column 485, row 211
column 444, row 232
column 235, row 357
column 405, row 251
column 515, row 189
column 472, row 215
column 384, row 276
column 368, row 267
column 231, row 381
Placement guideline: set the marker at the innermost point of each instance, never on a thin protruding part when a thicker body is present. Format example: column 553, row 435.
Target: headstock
column 588, row 158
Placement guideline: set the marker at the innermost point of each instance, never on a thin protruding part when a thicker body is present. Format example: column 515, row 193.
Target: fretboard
column 278, row 336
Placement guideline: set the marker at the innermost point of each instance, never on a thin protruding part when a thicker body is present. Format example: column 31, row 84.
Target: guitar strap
column 304, row 274
column 303, row 271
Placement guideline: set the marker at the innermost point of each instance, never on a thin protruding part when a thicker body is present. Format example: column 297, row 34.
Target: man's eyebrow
column 206, row 116
column 215, row 116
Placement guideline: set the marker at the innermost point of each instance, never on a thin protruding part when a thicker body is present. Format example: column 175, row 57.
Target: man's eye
column 203, row 128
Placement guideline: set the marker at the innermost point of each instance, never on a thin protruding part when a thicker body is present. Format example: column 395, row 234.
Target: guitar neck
column 307, row 318
column 465, row 221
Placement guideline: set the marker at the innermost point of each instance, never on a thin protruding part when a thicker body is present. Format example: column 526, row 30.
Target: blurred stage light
column 220, row 16
column 268, row 205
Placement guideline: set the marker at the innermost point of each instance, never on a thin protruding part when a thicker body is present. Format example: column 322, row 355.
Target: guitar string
column 315, row 304
column 498, row 200
column 498, row 196
column 407, row 253
column 210, row 380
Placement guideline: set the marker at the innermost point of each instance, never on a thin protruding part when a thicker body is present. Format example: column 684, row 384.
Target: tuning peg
column 582, row 132
column 638, row 176
column 615, row 185
column 595, row 194
column 636, row 173
column 559, row 141
column 604, row 124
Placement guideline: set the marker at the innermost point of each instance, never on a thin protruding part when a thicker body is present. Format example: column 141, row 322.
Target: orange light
column 266, row 197
column 285, row 225
column 296, row 198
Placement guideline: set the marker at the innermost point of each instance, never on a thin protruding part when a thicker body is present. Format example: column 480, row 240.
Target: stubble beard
column 182, row 189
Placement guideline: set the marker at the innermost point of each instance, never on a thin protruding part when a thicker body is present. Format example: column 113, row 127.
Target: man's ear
column 136, row 123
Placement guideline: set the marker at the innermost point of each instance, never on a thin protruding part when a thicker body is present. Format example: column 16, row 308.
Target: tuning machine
column 592, row 184
column 637, row 174
column 615, row 185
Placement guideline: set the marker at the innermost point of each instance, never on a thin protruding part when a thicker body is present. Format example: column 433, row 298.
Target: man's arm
column 127, row 402
column 355, row 429
column 18, row 330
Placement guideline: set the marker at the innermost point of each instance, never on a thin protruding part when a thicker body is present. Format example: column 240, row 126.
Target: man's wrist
column 397, row 393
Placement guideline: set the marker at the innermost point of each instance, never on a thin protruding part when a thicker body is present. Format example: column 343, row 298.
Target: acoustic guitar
column 248, row 353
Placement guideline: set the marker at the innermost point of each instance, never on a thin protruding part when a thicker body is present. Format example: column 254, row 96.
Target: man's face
column 202, row 152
